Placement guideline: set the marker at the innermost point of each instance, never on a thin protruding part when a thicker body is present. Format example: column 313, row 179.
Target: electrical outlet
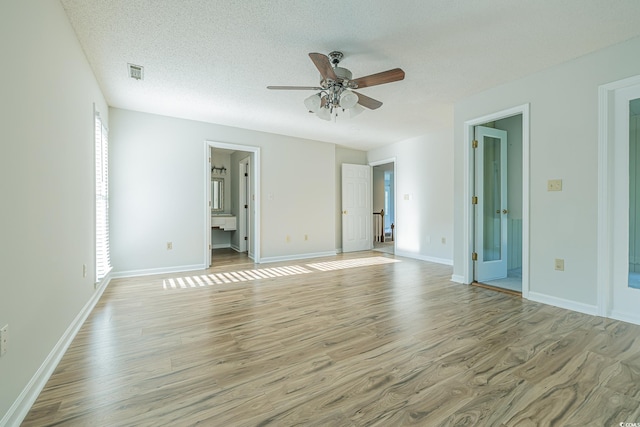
column 169, row 246
column 554, row 185
column 559, row 264
column 444, row 240
column 288, row 238
column 84, row 270
column 306, row 237
column 4, row 338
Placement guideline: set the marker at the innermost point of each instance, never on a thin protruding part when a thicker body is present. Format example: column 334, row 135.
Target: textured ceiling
column 211, row 60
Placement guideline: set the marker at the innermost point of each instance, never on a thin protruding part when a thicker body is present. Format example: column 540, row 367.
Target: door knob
column 505, row 211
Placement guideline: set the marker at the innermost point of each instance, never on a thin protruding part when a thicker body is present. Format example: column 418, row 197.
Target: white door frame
column 243, row 215
column 395, row 191
column 468, row 217
column 606, row 149
column 207, row 195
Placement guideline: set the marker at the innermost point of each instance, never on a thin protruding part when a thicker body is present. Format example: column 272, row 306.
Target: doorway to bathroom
column 232, row 201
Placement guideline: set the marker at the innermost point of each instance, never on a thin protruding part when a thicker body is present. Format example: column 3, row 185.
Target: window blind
column 103, row 262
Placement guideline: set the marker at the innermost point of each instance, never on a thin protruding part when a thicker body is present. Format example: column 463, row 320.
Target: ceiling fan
column 336, row 87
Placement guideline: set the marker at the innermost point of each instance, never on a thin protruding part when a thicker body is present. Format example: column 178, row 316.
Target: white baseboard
column 625, row 316
column 162, row 270
column 20, row 408
column 221, row 245
column 563, row 303
column 414, row 255
column 458, row 278
column 296, row 257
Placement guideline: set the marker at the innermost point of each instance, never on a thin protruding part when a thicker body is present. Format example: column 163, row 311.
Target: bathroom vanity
column 223, row 222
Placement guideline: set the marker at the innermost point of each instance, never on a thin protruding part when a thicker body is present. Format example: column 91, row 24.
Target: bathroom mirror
column 217, row 194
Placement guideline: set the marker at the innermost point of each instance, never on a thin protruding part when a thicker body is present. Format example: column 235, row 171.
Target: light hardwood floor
column 353, row 340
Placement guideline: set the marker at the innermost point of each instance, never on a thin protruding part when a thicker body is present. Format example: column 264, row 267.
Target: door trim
column 468, row 220
column 255, row 167
column 243, row 214
column 606, row 145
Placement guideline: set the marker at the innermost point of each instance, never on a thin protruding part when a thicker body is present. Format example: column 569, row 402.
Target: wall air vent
column 136, row 71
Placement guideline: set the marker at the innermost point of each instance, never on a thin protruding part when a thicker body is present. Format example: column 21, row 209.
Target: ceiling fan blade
column 323, row 65
column 370, row 103
column 294, row 88
column 378, row 78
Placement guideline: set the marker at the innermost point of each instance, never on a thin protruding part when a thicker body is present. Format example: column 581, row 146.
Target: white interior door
column 491, row 208
column 356, row 208
column 626, row 194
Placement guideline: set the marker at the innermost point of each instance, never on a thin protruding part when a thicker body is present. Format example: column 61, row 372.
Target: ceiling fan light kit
column 324, row 114
column 313, row 103
column 336, row 88
column 348, row 99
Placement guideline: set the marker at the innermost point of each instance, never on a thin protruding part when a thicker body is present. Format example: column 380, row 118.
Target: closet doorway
column 497, row 202
column 515, row 240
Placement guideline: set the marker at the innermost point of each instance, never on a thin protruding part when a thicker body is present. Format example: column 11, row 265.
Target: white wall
column 157, row 186
column 424, row 176
column 563, row 141
column 47, row 186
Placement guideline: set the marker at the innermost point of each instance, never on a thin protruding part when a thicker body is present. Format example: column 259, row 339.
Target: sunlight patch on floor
column 204, row 280
column 231, row 277
column 350, row 263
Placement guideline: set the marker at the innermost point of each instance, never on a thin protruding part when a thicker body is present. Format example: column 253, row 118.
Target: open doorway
column 619, row 200
column 497, row 234
column 498, row 203
column 384, row 206
column 232, row 205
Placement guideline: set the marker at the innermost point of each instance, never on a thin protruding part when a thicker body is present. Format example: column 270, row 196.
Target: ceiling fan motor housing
column 343, row 75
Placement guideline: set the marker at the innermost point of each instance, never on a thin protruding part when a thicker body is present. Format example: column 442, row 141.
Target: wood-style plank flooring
column 354, row 340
